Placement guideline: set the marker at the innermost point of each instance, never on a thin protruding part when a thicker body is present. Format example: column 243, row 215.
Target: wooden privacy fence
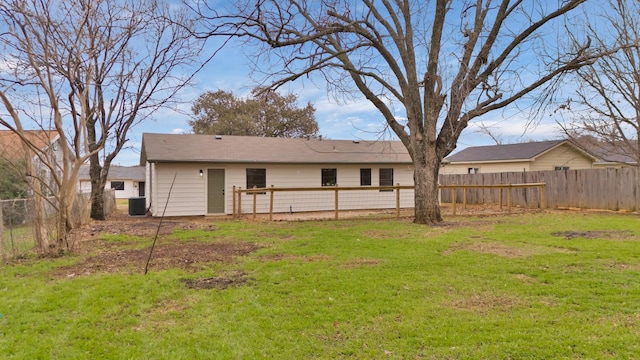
column 612, row 189
column 358, row 198
column 500, row 188
column 609, row 189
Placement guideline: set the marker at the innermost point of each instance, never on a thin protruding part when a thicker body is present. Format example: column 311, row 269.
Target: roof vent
column 218, row 137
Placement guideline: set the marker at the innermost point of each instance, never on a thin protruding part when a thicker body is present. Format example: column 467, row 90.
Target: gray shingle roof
column 117, row 172
column 509, row 152
column 608, row 152
column 248, row 149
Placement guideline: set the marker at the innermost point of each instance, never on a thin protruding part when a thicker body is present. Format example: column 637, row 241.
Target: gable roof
column 509, row 152
column 250, row 149
column 609, row 152
column 116, row 172
column 11, row 144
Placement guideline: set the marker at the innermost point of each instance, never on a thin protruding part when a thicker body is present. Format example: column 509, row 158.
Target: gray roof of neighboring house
column 508, row 152
column 116, row 172
column 249, row 149
column 607, row 152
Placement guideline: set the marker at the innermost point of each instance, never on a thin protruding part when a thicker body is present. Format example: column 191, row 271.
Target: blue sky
column 230, row 70
column 358, row 119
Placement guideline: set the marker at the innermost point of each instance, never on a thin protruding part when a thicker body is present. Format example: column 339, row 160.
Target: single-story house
column 126, row 181
column 206, row 168
column 530, row 156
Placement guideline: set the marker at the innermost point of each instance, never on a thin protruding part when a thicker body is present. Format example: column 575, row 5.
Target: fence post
column 453, row 197
column 509, row 199
column 335, row 216
column 500, row 188
column 543, row 201
column 233, row 212
column 464, row 198
column 239, row 201
column 271, row 203
column 255, row 198
column 398, row 200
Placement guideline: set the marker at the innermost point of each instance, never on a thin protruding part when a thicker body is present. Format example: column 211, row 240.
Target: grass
column 505, row 287
column 16, row 241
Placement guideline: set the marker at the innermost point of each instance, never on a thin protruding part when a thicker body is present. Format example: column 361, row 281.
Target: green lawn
column 526, row 286
column 15, row 241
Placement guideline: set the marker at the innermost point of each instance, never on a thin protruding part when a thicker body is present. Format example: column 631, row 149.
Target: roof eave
column 222, row 161
column 487, row 161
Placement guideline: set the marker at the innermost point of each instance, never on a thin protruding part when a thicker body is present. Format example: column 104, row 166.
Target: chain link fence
column 17, row 222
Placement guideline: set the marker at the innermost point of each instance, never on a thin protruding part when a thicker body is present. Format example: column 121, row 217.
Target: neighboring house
column 50, row 154
column 127, row 181
column 206, row 168
column 531, row 156
column 608, row 154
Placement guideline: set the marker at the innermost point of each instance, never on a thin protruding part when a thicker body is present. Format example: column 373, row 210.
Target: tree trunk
column 40, row 227
column 63, row 227
column 97, row 188
column 425, row 178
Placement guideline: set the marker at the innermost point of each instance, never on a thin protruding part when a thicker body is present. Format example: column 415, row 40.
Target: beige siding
column 150, row 183
column 189, row 192
column 485, row 168
column 85, row 186
column 310, row 176
column 564, row 155
column 188, row 195
column 609, row 165
column 130, row 188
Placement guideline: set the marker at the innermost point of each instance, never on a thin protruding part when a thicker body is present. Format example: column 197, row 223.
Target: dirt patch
column 484, row 302
column 505, row 250
column 144, row 226
column 491, row 248
column 107, row 258
column 281, row 257
column 355, row 263
column 596, row 234
column 102, row 256
column 233, row 278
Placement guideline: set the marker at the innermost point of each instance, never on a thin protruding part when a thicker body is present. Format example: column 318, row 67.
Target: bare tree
column 442, row 62
column 104, row 65
column 52, row 179
column 490, row 131
column 606, row 112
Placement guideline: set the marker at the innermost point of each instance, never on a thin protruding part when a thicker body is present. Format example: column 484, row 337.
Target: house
column 531, row 156
column 198, row 173
column 609, row 154
column 49, row 144
column 126, row 181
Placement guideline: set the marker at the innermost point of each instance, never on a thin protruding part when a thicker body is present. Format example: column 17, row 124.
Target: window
column 561, row 168
column 117, row 185
column 329, row 177
column 386, row 178
column 256, row 178
column 473, row 170
column 365, row 177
